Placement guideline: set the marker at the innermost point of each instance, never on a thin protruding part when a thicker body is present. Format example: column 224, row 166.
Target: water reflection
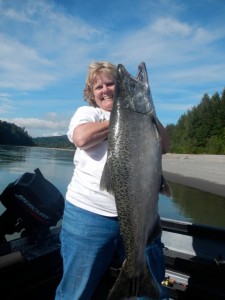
column 10, row 154
column 198, row 206
column 187, row 204
column 55, row 164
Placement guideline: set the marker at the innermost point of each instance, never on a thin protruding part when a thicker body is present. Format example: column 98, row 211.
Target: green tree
column 10, row 134
column 201, row 129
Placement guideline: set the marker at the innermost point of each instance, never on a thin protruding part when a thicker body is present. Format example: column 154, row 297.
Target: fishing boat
column 31, row 265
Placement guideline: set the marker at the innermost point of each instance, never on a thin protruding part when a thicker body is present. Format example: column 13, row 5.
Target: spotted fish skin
column 132, row 173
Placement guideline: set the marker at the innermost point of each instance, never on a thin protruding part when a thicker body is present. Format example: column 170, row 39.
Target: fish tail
column 126, row 287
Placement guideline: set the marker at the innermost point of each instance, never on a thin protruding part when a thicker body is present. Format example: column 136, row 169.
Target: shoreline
column 203, row 172
column 203, row 185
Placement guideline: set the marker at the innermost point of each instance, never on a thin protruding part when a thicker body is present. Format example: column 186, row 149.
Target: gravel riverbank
column 204, row 172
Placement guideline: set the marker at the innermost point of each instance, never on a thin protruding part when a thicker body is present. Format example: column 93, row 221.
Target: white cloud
column 202, row 74
column 168, row 42
column 41, row 127
column 6, row 104
column 46, row 48
column 52, row 46
column 170, row 27
column 175, row 106
column 22, row 67
column 15, row 15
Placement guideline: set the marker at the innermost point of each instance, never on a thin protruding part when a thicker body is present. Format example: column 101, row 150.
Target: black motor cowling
column 33, row 200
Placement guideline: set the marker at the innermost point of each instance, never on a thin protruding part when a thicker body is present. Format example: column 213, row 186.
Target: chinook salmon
column 133, row 174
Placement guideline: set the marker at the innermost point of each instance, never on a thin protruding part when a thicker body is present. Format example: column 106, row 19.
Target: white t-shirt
column 83, row 189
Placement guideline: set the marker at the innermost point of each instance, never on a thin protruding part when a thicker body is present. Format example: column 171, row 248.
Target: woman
column 90, row 233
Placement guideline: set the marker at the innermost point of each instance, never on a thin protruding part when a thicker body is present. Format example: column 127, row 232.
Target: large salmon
column 133, row 174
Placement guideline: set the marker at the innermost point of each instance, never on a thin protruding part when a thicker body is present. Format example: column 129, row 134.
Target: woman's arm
column 90, row 134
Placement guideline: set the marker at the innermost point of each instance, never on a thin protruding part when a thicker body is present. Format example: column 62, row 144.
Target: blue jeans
column 88, row 244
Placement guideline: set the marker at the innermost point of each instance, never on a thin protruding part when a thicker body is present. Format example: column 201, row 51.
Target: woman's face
column 103, row 90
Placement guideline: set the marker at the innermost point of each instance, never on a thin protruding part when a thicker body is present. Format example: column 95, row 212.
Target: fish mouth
column 122, row 72
column 134, row 91
column 141, row 76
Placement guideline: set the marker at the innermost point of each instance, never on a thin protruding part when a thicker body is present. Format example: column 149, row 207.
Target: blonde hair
column 95, row 69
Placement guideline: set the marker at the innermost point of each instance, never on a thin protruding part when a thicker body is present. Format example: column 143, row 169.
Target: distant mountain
column 11, row 134
column 54, row 142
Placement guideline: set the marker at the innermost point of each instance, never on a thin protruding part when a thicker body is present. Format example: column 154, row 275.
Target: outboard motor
column 32, row 203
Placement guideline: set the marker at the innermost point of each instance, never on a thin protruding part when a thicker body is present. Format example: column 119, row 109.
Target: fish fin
column 126, row 287
column 165, row 188
column 106, row 182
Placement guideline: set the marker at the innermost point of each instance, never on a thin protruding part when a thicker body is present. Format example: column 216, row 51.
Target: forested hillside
column 201, row 129
column 54, row 142
column 10, row 134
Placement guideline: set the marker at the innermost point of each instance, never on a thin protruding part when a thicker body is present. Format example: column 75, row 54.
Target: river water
column 56, row 165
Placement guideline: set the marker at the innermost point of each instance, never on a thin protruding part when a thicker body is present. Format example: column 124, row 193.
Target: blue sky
column 47, row 45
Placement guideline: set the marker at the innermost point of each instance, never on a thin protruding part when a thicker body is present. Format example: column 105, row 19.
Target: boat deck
column 194, row 257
